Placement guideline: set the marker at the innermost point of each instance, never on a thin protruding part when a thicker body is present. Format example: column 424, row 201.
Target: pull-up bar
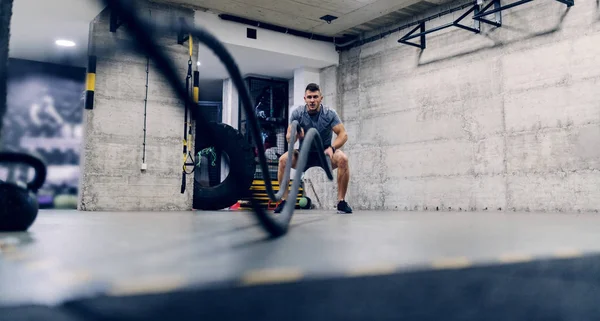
column 477, row 17
column 455, row 23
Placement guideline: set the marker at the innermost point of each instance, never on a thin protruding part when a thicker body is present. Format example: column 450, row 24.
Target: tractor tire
column 242, row 167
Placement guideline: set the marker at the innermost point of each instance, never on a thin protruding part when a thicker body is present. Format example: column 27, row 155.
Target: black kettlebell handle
column 37, row 164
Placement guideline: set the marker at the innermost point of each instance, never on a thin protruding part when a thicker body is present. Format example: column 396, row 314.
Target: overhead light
column 198, row 64
column 65, row 43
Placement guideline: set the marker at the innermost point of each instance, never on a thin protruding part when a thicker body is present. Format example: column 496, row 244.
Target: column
column 303, row 77
column 230, row 114
column 230, row 104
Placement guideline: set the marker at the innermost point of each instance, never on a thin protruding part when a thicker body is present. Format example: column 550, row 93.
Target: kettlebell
column 18, row 201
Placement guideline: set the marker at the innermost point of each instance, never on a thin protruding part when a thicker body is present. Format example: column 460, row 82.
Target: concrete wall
column 113, row 141
column 502, row 120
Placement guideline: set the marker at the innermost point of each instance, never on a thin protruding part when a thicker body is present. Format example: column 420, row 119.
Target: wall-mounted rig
column 478, row 17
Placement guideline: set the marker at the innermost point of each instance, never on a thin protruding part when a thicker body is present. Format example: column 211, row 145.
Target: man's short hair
column 313, row 87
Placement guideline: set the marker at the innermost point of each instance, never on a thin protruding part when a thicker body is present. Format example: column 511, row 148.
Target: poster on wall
column 44, row 117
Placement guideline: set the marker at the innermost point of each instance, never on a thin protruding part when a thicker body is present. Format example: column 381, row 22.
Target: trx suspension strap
column 187, row 126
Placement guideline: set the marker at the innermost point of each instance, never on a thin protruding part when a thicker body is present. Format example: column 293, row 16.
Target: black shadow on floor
column 566, row 289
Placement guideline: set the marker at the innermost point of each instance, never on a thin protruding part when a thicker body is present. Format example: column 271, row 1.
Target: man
column 326, row 121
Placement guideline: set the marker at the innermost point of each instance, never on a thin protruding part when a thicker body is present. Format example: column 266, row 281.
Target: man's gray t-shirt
column 323, row 122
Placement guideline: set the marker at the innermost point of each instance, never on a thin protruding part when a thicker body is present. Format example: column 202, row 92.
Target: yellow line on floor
column 7, row 247
column 147, row 285
column 380, row 269
column 566, row 253
column 451, row 263
column 71, row 278
column 267, row 276
column 12, row 254
column 515, row 258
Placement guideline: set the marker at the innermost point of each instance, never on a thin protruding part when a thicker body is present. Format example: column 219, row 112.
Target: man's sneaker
column 344, row 208
column 279, row 207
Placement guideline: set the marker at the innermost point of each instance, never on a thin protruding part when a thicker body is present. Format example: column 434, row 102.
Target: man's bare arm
column 289, row 134
column 342, row 136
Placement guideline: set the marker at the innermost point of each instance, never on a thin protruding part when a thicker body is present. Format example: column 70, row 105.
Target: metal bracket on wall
column 115, row 21
column 455, row 23
column 477, row 17
column 569, row 3
column 410, row 36
column 497, row 11
column 181, row 36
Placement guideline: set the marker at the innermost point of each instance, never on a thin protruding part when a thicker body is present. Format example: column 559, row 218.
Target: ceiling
column 353, row 16
column 37, row 24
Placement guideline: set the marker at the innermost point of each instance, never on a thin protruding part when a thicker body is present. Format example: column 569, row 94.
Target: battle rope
column 5, row 17
column 144, row 32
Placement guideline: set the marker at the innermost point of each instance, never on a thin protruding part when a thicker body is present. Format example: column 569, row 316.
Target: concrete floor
column 69, row 254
